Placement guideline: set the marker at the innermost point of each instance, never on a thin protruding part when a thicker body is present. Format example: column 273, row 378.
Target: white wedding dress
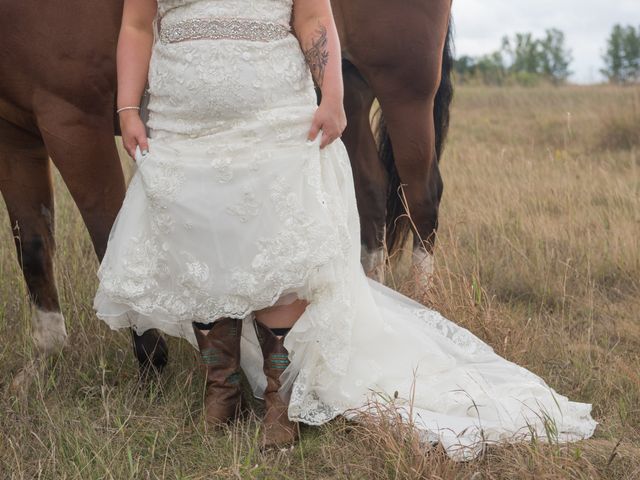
column 232, row 209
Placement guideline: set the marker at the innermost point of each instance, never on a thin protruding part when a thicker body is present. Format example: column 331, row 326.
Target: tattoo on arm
column 317, row 55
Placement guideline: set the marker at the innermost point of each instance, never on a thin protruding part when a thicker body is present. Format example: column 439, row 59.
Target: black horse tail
column 398, row 225
column 444, row 95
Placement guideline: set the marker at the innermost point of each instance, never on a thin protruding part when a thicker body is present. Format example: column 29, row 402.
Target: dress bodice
column 266, row 10
column 207, row 67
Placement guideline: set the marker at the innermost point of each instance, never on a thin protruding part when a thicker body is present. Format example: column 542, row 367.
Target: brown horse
column 398, row 52
column 57, row 96
column 57, row 92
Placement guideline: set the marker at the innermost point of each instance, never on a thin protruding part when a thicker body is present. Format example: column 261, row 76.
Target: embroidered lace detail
column 305, row 405
column 162, row 182
column 197, row 272
column 222, row 166
column 249, row 207
column 284, row 259
column 463, row 338
column 274, row 11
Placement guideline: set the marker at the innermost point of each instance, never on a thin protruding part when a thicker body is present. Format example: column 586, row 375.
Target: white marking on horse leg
column 48, row 331
column 424, row 267
column 373, row 263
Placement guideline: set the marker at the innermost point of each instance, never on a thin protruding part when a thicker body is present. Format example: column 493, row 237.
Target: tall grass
column 538, row 254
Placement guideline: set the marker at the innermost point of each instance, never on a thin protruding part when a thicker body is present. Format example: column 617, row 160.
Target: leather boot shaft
column 220, row 352
column 278, row 430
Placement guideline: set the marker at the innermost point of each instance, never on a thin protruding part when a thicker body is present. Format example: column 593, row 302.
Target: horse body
column 57, row 94
column 395, row 52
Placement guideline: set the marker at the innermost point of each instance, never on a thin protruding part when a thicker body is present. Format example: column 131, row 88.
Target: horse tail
column 444, row 95
column 398, row 224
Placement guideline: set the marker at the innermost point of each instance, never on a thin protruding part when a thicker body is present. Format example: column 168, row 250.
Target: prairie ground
column 538, row 254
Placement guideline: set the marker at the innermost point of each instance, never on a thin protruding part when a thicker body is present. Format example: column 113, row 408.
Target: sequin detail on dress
column 223, row 29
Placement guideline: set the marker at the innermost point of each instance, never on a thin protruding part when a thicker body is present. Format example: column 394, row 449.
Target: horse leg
column 409, row 116
column 369, row 174
column 25, row 182
column 86, row 156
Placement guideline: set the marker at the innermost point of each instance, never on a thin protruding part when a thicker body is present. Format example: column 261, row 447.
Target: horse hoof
column 151, row 351
column 373, row 262
column 423, row 270
column 49, row 332
column 50, row 338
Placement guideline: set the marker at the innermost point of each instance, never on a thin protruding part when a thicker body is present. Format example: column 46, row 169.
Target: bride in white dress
column 240, row 233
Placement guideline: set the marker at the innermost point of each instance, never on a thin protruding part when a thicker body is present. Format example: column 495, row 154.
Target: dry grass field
column 538, row 254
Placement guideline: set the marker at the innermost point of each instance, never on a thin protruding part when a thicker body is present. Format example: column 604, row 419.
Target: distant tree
column 546, row 57
column 554, row 58
column 465, row 66
column 622, row 56
column 614, row 56
column 521, row 59
column 490, row 69
column 487, row 69
column 523, row 53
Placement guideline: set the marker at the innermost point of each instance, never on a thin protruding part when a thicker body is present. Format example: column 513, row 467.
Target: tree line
column 526, row 60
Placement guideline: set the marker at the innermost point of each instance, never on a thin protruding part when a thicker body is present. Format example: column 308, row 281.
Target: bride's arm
column 134, row 52
column 315, row 28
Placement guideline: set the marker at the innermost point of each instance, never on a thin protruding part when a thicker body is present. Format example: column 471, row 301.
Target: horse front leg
column 370, row 175
column 411, row 128
column 25, row 182
column 83, row 149
column 417, row 166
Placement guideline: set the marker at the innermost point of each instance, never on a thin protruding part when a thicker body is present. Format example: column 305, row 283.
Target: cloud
column 481, row 24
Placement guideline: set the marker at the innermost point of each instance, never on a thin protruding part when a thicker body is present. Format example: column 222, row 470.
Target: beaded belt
column 223, row 29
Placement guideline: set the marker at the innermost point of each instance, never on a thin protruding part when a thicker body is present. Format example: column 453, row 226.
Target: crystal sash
column 222, row 29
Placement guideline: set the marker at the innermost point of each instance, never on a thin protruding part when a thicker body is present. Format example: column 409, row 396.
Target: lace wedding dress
column 232, row 209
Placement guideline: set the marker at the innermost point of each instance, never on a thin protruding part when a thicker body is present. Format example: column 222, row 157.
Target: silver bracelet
column 127, row 108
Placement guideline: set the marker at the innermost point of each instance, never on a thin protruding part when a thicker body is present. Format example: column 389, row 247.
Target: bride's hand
column 134, row 133
column 329, row 118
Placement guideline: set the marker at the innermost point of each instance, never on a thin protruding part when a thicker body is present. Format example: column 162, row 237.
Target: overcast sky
column 481, row 24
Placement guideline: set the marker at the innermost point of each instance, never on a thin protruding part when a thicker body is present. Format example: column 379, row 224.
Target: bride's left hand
column 329, row 118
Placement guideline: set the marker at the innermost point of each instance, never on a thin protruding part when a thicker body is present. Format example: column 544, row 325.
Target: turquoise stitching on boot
column 210, row 356
column 279, row 361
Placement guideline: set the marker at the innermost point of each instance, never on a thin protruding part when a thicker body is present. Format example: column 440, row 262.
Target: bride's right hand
column 134, row 133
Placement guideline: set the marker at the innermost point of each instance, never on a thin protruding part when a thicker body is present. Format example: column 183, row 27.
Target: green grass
column 538, row 254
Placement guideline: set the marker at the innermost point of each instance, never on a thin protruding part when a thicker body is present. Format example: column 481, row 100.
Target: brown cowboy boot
column 278, row 430
column 220, row 351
